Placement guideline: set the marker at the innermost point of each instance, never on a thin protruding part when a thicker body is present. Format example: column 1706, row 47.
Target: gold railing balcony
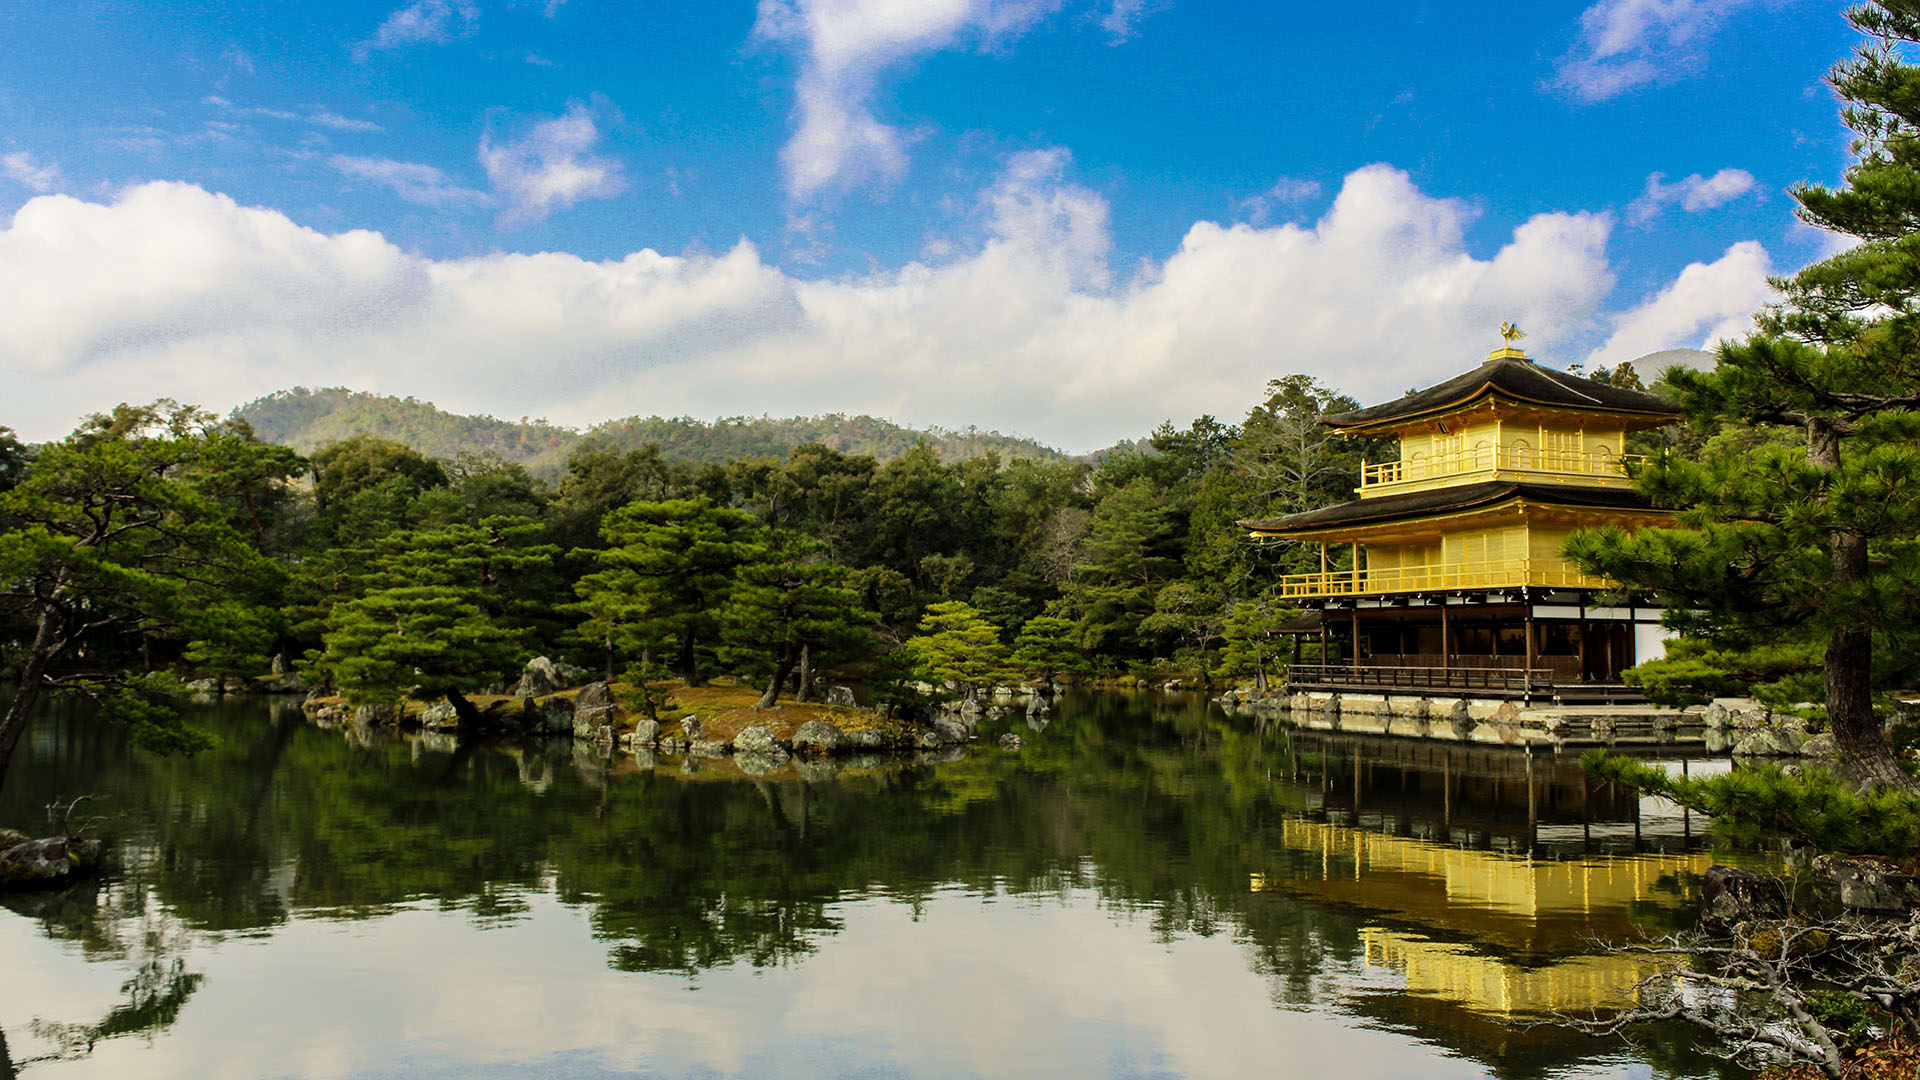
column 1438, row 577
column 1561, row 464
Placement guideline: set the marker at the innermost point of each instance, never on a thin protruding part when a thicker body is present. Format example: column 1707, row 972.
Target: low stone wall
column 1478, row 720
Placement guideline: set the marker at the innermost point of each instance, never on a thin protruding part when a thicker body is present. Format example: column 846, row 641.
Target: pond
column 1148, row 888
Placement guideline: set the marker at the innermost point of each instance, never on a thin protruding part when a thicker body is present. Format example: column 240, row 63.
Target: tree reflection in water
column 1189, row 822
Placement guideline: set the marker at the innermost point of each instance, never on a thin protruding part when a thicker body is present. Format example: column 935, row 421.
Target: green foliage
column 648, row 692
column 437, row 611
column 418, row 640
column 13, row 459
column 1765, row 802
column 781, row 604
column 668, row 569
column 308, row 419
column 957, row 645
column 110, row 548
column 1695, row 671
column 1131, row 549
column 1808, row 535
column 1252, row 648
column 1047, row 650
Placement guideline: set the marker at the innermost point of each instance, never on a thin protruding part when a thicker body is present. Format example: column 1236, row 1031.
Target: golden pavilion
column 1456, row 579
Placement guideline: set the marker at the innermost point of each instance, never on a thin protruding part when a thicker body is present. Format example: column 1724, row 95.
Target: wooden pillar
column 1446, row 647
column 1354, row 620
column 1527, row 679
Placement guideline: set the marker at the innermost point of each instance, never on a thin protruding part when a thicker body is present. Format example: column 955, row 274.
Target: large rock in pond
column 47, row 863
column 1730, row 896
column 592, row 694
column 1010, row 741
column 758, row 739
column 949, row 732
column 818, row 737
column 866, row 739
column 539, row 679
column 439, row 716
column 592, row 723
column 646, row 732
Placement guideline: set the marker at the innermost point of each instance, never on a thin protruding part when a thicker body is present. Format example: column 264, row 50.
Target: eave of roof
column 1445, row 500
column 1519, row 380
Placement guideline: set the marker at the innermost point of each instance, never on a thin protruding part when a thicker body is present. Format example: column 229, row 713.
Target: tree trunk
column 1866, row 755
column 469, row 715
column 781, row 670
column 689, row 664
column 15, row 723
column 804, row 691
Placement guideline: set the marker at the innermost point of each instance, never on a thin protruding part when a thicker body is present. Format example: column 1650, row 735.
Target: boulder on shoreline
column 47, row 863
column 818, row 737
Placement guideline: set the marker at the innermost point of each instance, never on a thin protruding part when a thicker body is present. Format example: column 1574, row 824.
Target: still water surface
column 1148, row 889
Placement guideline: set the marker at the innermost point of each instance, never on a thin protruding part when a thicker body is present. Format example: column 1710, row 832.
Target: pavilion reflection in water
column 1488, row 878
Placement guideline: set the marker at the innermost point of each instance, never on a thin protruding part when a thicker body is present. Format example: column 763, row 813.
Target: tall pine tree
column 1816, row 539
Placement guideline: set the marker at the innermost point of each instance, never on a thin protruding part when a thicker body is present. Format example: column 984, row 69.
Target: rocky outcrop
column 539, row 679
column 1730, row 897
column 1869, row 884
column 48, row 863
column 949, row 732
column 841, row 696
column 439, row 716
column 818, row 737
column 758, row 739
column 1010, row 741
column 646, row 732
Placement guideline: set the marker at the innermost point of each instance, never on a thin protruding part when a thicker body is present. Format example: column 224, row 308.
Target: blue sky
column 1070, row 219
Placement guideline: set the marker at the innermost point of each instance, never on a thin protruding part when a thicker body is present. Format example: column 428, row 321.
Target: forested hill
column 305, row 419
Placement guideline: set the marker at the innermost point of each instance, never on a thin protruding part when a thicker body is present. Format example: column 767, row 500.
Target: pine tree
column 668, row 569
column 1048, row 648
column 107, row 548
column 1816, row 541
column 785, row 608
column 957, row 645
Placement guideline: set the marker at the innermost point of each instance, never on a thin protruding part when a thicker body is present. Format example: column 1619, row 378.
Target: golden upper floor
column 1508, row 419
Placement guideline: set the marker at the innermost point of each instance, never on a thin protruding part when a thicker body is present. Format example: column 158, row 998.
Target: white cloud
column 1285, row 191
column 20, row 167
column 1707, row 303
column 1694, row 194
column 838, row 143
column 550, row 168
column 172, row 290
column 323, row 118
column 1122, row 19
column 412, row 181
column 424, row 20
column 1628, row 44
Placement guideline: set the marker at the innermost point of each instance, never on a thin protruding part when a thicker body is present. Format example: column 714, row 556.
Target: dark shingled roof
column 1512, row 378
column 1448, row 500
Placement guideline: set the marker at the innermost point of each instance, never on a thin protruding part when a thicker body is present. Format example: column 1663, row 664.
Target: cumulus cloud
column 549, row 168
column 174, row 290
column 1706, row 304
column 412, row 181
column 422, row 21
column 1285, row 191
column 1625, row 45
column 20, row 167
column 1694, row 194
column 845, row 45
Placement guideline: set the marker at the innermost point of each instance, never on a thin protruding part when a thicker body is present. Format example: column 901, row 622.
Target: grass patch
column 725, row 711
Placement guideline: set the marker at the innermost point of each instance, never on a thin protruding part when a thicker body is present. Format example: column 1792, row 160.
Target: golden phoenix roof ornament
column 1512, row 332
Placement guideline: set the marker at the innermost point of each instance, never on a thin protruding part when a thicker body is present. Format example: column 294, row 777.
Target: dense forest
column 309, row 419
column 160, row 540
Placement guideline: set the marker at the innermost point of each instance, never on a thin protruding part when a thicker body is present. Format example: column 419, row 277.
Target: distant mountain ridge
column 307, row 419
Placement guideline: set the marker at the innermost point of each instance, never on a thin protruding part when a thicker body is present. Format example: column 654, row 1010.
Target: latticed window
column 1561, row 450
